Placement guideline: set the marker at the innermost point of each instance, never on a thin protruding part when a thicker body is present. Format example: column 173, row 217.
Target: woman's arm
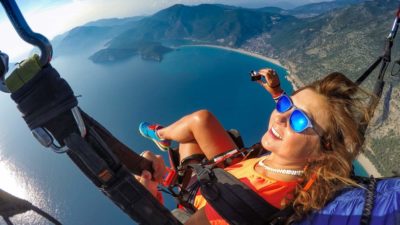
column 271, row 83
column 199, row 218
column 151, row 181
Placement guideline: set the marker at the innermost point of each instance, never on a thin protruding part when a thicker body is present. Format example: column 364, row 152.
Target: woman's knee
column 203, row 117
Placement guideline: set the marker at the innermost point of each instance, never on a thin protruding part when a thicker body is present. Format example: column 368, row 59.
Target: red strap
column 310, row 182
column 170, row 177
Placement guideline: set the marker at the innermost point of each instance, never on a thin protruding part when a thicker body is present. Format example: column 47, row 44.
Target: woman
column 313, row 137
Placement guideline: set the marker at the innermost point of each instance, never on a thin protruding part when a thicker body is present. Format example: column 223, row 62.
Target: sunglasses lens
column 284, row 104
column 299, row 121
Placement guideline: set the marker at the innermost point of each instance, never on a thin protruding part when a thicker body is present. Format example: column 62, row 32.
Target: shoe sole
column 161, row 147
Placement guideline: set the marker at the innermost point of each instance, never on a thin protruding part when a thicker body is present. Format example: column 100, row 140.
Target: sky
column 53, row 17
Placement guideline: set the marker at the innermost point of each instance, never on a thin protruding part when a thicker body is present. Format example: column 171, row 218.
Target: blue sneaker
column 148, row 130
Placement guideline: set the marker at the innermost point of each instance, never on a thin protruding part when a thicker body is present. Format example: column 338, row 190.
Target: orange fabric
column 273, row 191
column 310, row 182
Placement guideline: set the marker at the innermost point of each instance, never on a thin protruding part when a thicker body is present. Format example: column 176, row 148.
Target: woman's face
column 284, row 142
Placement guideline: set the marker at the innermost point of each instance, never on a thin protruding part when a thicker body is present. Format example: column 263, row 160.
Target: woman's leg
column 188, row 149
column 199, row 132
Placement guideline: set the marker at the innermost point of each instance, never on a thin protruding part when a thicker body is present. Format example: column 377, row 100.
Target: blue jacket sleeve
column 348, row 206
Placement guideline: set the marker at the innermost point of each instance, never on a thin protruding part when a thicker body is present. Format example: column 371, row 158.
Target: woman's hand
column 151, row 181
column 272, row 84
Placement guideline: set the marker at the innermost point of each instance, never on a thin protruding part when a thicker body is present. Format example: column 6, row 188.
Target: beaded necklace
column 281, row 171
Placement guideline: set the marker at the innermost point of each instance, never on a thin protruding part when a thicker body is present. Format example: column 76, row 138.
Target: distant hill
column 114, row 21
column 348, row 38
column 84, row 38
column 95, row 36
column 275, row 10
column 314, row 9
column 147, row 50
column 206, row 23
column 214, row 24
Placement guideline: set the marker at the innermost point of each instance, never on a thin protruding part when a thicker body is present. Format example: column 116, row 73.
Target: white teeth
column 276, row 133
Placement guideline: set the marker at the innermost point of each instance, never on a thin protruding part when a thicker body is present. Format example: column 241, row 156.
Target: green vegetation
column 211, row 23
column 347, row 40
column 148, row 51
column 386, row 154
column 111, row 55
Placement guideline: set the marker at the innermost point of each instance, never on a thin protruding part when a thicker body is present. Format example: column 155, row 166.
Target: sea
column 120, row 96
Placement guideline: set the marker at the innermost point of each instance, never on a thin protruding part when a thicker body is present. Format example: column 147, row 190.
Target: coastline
column 368, row 166
column 244, row 52
column 292, row 77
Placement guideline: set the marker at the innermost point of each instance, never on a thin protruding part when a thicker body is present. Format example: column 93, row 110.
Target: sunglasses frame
column 309, row 121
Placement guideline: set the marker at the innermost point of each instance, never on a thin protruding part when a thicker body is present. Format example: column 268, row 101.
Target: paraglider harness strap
column 370, row 184
column 41, row 103
column 235, row 201
column 11, row 206
column 46, row 100
column 385, row 58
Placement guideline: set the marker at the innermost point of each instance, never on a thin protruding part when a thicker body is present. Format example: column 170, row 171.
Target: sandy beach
column 292, row 77
column 274, row 61
column 295, row 81
column 368, row 166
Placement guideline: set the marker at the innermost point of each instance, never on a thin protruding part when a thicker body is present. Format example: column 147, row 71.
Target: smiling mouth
column 275, row 133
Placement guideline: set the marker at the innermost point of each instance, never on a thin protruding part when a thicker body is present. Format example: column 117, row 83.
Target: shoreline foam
column 244, row 52
column 368, row 166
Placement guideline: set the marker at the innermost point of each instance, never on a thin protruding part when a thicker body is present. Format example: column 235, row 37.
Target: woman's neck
column 279, row 169
column 277, row 161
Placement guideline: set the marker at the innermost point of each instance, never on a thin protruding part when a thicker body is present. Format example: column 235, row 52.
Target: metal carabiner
column 24, row 31
column 46, row 139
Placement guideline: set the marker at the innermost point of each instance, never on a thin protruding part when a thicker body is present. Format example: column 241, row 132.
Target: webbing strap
column 384, row 60
column 43, row 97
column 46, row 101
column 11, row 206
column 368, row 71
column 232, row 199
column 369, row 202
column 119, row 185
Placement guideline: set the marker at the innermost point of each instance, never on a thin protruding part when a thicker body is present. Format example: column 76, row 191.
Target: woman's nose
column 282, row 118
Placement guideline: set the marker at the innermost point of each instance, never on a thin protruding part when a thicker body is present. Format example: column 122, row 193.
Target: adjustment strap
column 233, row 200
column 44, row 97
column 369, row 202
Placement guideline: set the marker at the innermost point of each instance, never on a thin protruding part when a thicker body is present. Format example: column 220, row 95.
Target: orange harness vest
column 273, row 191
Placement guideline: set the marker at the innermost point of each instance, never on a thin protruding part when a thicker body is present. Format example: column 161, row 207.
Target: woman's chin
column 268, row 144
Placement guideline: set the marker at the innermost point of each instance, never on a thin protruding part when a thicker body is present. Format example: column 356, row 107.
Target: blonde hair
column 341, row 142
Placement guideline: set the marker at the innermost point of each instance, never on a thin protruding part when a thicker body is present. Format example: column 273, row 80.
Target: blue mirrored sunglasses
column 298, row 120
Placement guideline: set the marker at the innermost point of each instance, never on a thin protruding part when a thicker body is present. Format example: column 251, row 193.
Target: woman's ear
column 316, row 155
column 326, row 146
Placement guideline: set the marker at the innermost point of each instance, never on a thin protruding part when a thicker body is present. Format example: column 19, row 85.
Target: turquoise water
column 120, row 96
column 359, row 170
